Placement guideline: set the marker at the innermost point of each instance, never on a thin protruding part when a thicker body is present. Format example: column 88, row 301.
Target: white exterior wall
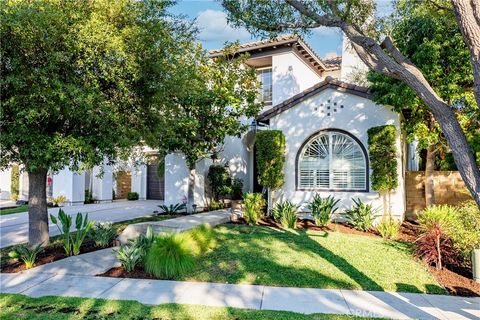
column 5, row 184
column 290, row 76
column 353, row 69
column 357, row 116
column 102, row 185
column 23, row 186
column 69, row 184
column 176, row 180
column 139, row 181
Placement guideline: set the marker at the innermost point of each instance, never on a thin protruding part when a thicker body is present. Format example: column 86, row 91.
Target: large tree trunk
column 191, row 190
column 429, row 169
column 468, row 17
column 37, row 208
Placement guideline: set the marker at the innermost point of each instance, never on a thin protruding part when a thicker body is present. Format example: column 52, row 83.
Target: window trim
column 269, row 102
column 306, row 141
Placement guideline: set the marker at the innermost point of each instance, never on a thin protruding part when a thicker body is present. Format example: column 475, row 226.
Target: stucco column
column 5, row 184
column 102, row 186
column 139, row 181
column 69, row 184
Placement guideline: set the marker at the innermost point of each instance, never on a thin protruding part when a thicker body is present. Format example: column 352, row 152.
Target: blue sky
column 214, row 30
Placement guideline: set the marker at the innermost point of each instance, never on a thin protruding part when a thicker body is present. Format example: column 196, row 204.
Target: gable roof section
column 296, row 43
column 329, row 82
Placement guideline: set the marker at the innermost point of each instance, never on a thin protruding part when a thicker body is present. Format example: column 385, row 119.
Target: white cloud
column 326, row 32
column 213, row 26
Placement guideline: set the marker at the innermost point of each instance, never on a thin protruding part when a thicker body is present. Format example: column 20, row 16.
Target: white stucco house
column 315, row 102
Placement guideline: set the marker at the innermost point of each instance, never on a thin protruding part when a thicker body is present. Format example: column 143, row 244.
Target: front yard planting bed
column 307, row 258
column 21, row 208
column 54, row 251
column 13, row 306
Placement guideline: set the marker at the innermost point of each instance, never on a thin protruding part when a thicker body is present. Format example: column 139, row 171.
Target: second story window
column 265, row 77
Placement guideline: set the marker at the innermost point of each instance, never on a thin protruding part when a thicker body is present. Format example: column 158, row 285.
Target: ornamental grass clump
column 322, row 209
column 170, row 256
column 254, row 204
column 361, row 215
column 286, row 214
column 203, row 239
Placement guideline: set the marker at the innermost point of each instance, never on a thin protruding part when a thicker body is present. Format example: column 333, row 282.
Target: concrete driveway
column 14, row 227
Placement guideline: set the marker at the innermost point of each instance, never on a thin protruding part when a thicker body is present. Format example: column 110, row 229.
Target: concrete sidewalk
column 75, row 276
column 14, row 227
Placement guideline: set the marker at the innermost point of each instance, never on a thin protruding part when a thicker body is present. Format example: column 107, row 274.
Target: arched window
column 332, row 160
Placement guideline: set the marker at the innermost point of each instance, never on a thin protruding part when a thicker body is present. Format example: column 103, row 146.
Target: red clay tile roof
column 289, row 40
column 329, row 82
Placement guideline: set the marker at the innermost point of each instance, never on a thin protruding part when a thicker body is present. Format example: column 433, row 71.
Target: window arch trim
column 354, row 138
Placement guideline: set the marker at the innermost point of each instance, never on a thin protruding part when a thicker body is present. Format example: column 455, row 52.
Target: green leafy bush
column 132, row 196
column 254, row 204
column 286, row 214
column 15, row 182
column 102, row 234
column 322, row 209
column 170, row 256
column 219, row 180
column 237, row 189
column 129, row 256
column 388, row 227
column 215, row 205
column 27, row 255
column 204, row 238
column 466, row 232
column 72, row 243
column 361, row 215
column 270, row 153
column 382, row 152
column 173, row 208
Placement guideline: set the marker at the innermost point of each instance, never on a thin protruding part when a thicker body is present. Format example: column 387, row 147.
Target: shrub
column 219, row 180
column 170, row 256
column 132, row 196
column 388, row 227
column 58, row 201
column 27, row 255
column 173, row 208
column 382, row 152
column 102, row 234
column 204, row 238
column 270, row 146
column 361, row 215
column 88, row 197
column 215, row 205
column 254, row 204
column 15, row 182
column 322, row 209
column 72, row 243
column 434, row 245
column 237, row 189
column 466, row 232
column 129, row 256
column 286, row 214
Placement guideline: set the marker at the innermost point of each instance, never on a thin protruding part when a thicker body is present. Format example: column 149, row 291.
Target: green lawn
column 261, row 255
column 15, row 307
column 22, row 208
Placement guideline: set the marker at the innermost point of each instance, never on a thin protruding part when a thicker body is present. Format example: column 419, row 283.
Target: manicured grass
column 22, row 208
column 261, row 255
column 14, row 306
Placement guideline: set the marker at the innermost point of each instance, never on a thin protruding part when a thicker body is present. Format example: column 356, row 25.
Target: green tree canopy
column 78, row 78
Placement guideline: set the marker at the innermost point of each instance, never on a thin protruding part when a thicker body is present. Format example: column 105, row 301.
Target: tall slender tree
column 76, row 85
column 356, row 19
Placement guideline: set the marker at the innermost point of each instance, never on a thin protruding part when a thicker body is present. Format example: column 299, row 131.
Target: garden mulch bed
column 50, row 254
column 119, row 272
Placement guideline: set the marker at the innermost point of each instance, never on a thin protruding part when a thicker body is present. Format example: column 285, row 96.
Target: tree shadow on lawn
column 255, row 263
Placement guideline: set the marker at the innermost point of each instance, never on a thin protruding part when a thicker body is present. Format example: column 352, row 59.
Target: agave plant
column 286, row 214
column 322, row 209
column 129, row 256
column 173, row 208
column 361, row 215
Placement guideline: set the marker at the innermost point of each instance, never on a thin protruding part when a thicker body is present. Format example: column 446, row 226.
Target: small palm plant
column 172, row 209
column 27, row 255
column 286, row 214
column 361, row 215
column 322, row 209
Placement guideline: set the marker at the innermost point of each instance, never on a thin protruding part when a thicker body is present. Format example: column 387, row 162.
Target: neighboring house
column 323, row 114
